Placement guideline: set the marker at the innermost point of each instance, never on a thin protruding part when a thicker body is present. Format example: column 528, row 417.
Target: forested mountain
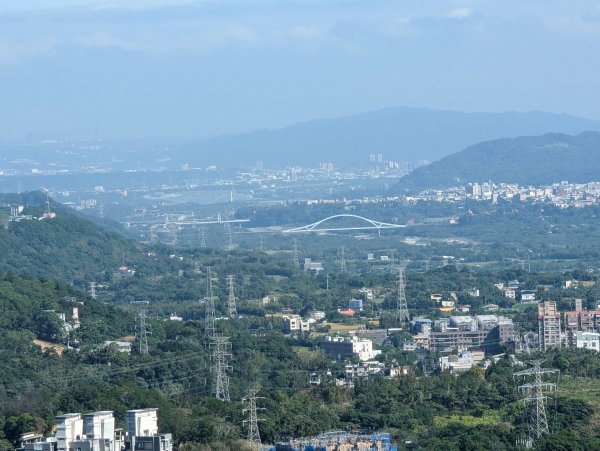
column 68, row 247
column 400, row 134
column 529, row 160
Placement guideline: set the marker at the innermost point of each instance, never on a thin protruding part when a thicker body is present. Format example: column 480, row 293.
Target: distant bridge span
column 371, row 225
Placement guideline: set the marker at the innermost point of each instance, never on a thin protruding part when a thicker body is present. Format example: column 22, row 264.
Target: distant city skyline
column 194, row 68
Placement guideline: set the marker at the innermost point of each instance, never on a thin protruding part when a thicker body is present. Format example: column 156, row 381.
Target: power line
column 534, row 394
column 253, row 432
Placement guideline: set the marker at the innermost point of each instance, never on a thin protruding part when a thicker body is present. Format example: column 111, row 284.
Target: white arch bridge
column 370, row 224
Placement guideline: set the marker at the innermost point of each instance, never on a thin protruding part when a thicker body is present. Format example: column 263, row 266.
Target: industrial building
column 96, row 432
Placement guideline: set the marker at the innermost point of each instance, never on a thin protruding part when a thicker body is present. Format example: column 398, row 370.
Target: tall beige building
column 549, row 325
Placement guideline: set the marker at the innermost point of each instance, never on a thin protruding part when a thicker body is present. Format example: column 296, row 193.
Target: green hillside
column 68, row 247
column 530, row 160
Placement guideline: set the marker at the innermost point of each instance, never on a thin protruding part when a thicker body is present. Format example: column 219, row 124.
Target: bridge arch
column 370, row 224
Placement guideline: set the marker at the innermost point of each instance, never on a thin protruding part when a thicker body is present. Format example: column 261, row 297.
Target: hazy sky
column 176, row 68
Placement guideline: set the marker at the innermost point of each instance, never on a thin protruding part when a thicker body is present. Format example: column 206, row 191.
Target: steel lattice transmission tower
column 231, row 307
column 228, row 237
column 343, row 259
column 143, row 338
column 93, row 290
column 209, row 319
column 402, row 314
column 220, row 358
column 253, row 432
column 295, row 254
column 202, row 238
column 534, row 391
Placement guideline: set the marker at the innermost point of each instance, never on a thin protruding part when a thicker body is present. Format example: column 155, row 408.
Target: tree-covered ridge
column 71, row 248
column 529, row 160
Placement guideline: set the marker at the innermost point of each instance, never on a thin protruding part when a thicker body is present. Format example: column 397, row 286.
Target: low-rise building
column 588, row 340
column 96, row 432
column 355, row 304
column 294, row 324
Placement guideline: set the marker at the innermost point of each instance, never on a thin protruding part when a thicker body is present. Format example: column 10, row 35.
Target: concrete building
column 96, row 432
column 294, row 323
column 588, row 340
column 580, row 321
column 463, row 322
column 69, row 428
column 356, row 304
column 528, row 296
column 347, row 348
column 310, row 265
column 461, row 363
column 142, row 432
column 549, row 329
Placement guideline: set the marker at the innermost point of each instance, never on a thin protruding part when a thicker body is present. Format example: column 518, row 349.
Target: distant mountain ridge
column 528, row 160
column 400, row 134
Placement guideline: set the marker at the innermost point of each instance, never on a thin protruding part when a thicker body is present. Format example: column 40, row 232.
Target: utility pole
column 209, row 320
column 231, row 307
column 534, row 394
column 295, row 255
column 343, row 268
column 253, row 432
column 402, row 314
column 220, row 358
column 93, row 290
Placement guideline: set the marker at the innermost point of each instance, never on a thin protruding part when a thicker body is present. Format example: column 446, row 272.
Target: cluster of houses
column 96, row 432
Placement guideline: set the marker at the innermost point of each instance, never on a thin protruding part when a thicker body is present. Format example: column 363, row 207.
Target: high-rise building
column 549, row 329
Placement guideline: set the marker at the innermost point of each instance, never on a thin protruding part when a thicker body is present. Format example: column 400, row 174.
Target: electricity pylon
column 231, row 307
column 228, row 237
column 253, row 432
column 295, row 255
column 202, row 238
column 534, row 394
column 402, row 314
column 209, row 319
column 143, row 339
column 220, row 358
column 343, row 260
column 93, row 290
